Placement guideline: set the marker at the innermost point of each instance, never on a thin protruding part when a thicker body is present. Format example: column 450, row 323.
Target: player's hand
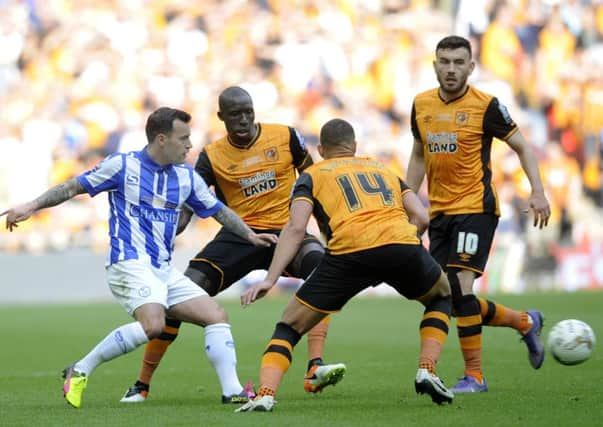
column 255, row 292
column 263, row 240
column 17, row 214
column 540, row 206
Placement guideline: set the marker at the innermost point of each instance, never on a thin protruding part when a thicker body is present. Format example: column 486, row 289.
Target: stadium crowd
column 78, row 78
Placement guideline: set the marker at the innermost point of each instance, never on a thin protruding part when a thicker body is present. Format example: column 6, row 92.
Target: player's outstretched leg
column 120, row 341
column 533, row 341
column 526, row 323
column 74, row 386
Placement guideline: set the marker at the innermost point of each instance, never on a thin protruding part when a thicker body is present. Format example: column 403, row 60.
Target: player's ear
column 161, row 138
column 319, row 149
column 219, row 114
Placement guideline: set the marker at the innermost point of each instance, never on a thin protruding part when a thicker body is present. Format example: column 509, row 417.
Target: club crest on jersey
column 442, row 142
column 461, row 118
column 271, row 154
column 262, row 182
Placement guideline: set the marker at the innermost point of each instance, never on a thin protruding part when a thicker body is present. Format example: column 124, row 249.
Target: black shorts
column 407, row 268
column 228, row 258
column 462, row 241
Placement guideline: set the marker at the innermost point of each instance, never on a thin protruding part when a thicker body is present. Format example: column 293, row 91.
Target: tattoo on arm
column 232, row 222
column 59, row 193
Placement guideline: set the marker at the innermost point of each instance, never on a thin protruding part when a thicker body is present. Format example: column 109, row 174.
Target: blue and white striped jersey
column 145, row 201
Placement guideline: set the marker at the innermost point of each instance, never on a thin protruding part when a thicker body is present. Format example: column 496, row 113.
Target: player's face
column 452, row 68
column 178, row 143
column 239, row 119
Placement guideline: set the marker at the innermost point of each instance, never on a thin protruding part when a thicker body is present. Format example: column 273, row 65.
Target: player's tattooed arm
column 52, row 197
column 232, row 222
column 58, row 194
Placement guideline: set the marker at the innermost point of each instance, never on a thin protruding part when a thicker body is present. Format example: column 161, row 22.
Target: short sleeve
column 404, row 188
column 498, row 121
column 297, row 146
column 202, row 201
column 303, row 188
column 204, row 168
column 106, row 176
column 413, row 123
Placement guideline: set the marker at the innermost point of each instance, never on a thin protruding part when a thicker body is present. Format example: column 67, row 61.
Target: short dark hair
column 454, row 42
column 336, row 132
column 162, row 121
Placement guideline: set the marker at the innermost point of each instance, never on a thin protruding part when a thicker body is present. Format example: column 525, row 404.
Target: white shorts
column 134, row 283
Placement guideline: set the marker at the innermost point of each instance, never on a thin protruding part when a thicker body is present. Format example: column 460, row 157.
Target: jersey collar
column 148, row 160
column 453, row 99
column 255, row 138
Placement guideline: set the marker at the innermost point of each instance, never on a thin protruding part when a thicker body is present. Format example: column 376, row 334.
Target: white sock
column 120, row 341
column 220, row 349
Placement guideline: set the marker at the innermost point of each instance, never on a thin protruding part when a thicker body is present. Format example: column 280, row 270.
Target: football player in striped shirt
column 252, row 169
column 147, row 190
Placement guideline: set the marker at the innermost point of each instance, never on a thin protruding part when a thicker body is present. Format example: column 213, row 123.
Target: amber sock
column 316, row 338
column 156, row 348
column 265, row 391
column 494, row 314
column 278, row 355
column 434, row 331
column 469, row 328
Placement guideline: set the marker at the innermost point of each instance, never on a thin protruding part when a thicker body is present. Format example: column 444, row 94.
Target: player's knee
column 452, row 274
column 216, row 314
column 307, row 258
column 153, row 327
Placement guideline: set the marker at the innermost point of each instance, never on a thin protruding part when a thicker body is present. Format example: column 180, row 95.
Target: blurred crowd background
column 79, row 77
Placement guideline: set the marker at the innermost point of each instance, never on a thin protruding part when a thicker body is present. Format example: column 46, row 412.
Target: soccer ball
column 571, row 341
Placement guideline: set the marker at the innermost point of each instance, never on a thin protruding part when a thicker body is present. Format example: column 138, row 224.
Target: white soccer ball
column 571, row 341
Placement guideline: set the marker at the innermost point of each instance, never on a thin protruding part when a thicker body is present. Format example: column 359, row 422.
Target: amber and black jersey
column 457, row 138
column 255, row 181
column 357, row 203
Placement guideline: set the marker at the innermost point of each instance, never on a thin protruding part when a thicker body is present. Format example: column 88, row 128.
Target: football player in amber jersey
column 453, row 126
column 252, row 169
column 370, row 219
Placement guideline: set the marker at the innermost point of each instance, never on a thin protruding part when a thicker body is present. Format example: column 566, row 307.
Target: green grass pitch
column 376, row 338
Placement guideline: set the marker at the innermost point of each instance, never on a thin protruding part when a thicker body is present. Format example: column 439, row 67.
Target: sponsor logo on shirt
column 154, row 214
column 442, row 142
column 262, row 182
column 132, row 179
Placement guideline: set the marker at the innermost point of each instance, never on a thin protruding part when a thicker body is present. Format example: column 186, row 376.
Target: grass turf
column 376, row 338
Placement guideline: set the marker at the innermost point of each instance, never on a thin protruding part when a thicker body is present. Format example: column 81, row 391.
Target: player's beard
column 456, row 89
